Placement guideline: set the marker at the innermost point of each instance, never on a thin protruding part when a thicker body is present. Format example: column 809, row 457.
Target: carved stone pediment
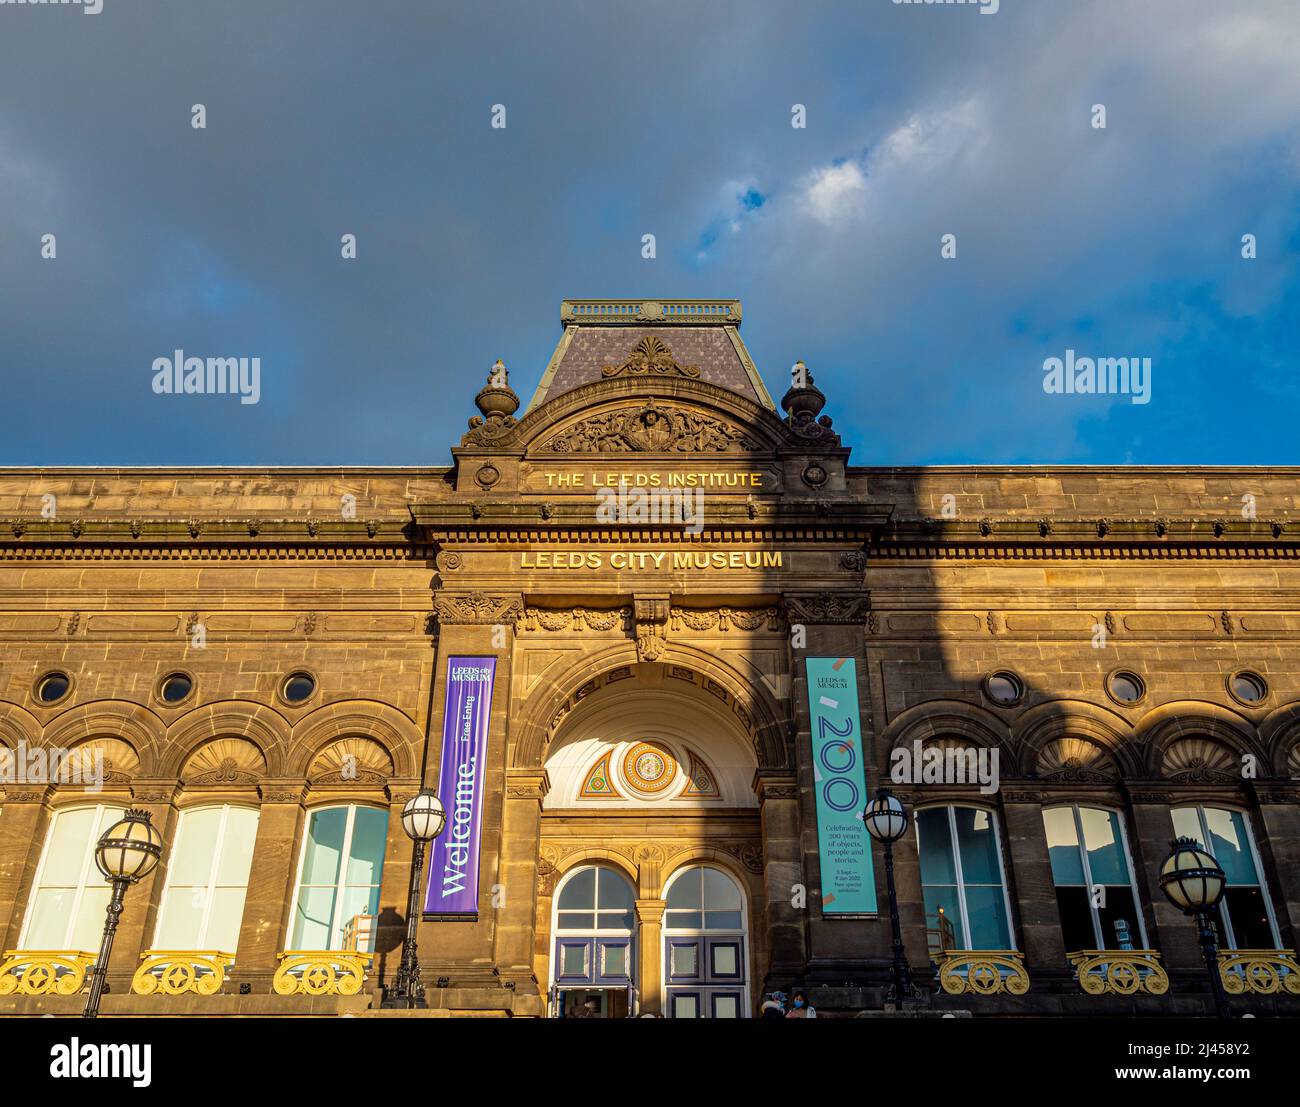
column 653, row 426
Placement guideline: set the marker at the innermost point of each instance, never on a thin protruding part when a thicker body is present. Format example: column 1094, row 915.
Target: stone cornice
column 539, row 518
column 1049, row 536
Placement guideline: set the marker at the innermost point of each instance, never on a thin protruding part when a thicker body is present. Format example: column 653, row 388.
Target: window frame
column 88, row 866
column 1228, row 932
column 340, row 885
column 1073, row 806
column 951, row 809
column 211, row 887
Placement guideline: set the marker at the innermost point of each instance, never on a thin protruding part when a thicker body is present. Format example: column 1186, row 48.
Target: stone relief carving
column 651, row 356
column 650, row 427
column 577, row 618
column 477, row 608
column 828, row 607
column 724, row 619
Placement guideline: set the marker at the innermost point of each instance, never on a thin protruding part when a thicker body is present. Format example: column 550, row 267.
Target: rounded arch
column 564, row 867
column 1061, row 719
column 555, row 689
column 381, row 722
column 949, row 719
column 749, row 883
column 1279, row 734
column 132, row 723
column 763, row 429
column 257, row 723
column 17, row 724
column 1160, row 727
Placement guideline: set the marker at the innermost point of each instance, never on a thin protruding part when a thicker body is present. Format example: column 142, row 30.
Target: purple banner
column 453, row 865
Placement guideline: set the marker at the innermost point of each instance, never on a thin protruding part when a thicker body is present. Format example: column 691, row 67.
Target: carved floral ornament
column 1200, row 761
column 651, row 356
column 1075, row 761
column 225, row 761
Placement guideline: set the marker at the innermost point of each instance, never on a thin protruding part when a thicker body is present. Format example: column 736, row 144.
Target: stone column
column 1041, row 939
column 265, row 929
column 1279, row 845
column 23, row 827
column 521, row 826
column 461, row 952
column 839, row 950
column 650, row 917
column 778, row 797
column 1168, row 929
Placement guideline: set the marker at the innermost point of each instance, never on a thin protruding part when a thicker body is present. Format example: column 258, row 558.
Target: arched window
column 1095, row 894
column 962, row 878
column 207, row 877
column 1245, row 913
column 342, row 864
column 593, row 968
column 705, row 946
column 66, row 910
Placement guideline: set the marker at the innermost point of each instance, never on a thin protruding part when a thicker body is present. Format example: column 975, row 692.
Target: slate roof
column 699, row 333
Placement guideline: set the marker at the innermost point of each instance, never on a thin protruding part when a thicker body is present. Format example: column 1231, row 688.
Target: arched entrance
column 651, row 813
column 593, row 959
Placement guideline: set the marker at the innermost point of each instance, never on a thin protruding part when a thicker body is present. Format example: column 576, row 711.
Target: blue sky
column 673, row 119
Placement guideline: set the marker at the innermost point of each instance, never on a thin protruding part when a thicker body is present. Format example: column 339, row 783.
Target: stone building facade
column 259, row 660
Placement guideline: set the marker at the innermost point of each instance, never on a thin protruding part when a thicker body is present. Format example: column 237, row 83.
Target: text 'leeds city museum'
column 656, row 644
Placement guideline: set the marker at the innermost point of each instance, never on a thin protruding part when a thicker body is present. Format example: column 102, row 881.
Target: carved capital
column 476, row 608
column 828, row 607
column 1022, row 797
column 532, row 784
column 292, row 790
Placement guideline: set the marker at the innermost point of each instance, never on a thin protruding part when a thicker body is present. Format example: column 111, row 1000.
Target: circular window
column 175, row 687
column 53, row 687
column 1004, row 688
column 298, row 687
column 1248, row 688
column 1126, row 687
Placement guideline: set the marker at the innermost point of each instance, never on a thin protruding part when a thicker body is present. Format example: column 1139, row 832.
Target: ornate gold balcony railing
column 173, row 972
column 1121, row 972
column 1265, row 972
column 44, row 972
column 314, row 972
column 983, row 972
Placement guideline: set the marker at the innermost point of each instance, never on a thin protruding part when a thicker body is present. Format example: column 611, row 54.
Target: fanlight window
column 67, row 906
column 1245, row 914
column 703, row 899
column 207, row 877
column 595, row 899
column 338, row 880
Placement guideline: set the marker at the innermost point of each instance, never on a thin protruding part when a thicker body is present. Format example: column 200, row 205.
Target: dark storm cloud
column 374, row 119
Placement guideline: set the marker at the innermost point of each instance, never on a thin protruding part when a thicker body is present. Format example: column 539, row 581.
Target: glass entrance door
column 706, row 974
column 593, row 954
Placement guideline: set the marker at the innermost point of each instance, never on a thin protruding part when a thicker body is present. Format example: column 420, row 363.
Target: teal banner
column 848, row 883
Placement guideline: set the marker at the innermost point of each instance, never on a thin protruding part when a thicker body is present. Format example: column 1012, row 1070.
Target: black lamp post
column 886, row 820
column 1193, row 881
column 127, row 851
column 423, row 819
